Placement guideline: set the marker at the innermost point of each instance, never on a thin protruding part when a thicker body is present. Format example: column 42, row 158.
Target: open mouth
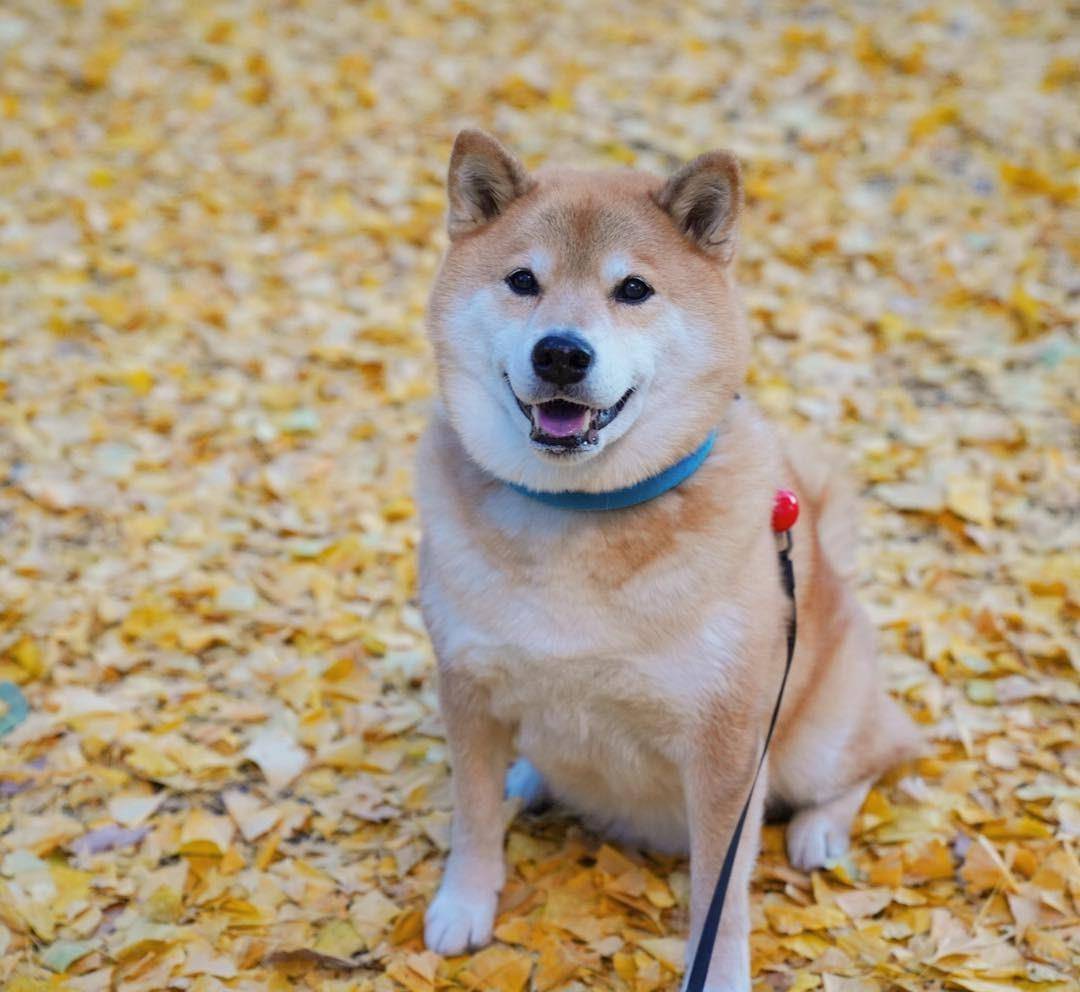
column 567, row 426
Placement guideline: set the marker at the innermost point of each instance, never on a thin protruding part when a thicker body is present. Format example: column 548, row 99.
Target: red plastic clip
column 785, row 510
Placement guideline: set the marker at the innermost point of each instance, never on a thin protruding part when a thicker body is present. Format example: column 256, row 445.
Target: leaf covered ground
column 221, row 763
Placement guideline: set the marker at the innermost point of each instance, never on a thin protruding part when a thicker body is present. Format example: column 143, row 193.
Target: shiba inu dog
column 588, row 336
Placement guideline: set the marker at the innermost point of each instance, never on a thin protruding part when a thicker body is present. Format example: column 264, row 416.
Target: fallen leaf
column 278, row 756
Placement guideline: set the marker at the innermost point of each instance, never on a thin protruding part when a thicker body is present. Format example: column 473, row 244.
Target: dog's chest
column 601, row 679
column 571, row 659
column 570, row 696
column 588, row 686
column 605, row 731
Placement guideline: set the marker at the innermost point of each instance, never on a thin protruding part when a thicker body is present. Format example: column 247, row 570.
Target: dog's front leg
column 715, row 792
column 463, row 912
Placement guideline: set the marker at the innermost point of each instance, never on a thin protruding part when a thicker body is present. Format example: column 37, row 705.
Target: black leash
column 700, row 968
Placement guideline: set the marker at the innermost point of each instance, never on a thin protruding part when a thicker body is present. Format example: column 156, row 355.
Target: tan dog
column 588, row 335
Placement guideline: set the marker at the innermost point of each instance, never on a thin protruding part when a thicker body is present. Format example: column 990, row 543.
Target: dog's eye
column 633, row 290
column 523, row 282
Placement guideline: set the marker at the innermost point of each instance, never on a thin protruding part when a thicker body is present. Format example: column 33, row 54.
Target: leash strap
column 700, row 968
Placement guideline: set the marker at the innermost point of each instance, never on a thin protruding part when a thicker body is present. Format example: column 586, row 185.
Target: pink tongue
column 560, row 423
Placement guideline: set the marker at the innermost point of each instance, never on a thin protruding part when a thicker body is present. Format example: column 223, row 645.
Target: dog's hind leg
column 828, row 782
column 524, row 782
column 846, row 731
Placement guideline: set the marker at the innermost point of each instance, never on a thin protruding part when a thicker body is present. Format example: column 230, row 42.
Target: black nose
column 562, row 358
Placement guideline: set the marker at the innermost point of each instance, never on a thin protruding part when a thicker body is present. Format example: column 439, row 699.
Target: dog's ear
column 484, row 179
column 704, row 199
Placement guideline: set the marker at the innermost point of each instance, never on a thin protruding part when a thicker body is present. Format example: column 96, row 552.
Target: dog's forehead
column 591, row 226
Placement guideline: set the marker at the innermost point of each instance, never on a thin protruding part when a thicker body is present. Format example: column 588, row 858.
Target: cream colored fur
column 628, row 660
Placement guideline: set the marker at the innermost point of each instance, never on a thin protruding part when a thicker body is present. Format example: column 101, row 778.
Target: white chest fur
column 596, row 689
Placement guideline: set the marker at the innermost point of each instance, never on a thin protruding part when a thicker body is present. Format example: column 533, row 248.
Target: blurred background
column 220, row 760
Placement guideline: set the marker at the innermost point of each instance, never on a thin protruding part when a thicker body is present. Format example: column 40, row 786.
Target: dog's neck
column 620, row 499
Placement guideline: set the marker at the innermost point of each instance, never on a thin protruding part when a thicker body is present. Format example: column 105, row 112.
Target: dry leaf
column 278, row 756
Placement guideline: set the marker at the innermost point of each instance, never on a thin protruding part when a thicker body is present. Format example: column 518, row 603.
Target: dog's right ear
column 484, row 179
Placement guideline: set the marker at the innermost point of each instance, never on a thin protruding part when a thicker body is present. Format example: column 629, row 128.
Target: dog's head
column 586, row 325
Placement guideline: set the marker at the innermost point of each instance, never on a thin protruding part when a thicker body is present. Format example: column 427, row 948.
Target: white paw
column 459, row 919
column 525, row 782
column 814, row 839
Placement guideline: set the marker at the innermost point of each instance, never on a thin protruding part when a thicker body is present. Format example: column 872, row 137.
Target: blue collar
column 620, row 499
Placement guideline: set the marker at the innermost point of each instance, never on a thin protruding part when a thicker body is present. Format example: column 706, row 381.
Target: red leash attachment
column 785, row 510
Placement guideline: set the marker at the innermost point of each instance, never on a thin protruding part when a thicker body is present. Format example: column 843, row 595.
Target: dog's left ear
column 484, row 179
column 704, row 199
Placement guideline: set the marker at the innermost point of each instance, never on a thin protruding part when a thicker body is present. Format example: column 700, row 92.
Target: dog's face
column 586, row 326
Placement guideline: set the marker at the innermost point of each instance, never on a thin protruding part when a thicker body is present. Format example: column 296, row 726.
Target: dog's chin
column 565, row 454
